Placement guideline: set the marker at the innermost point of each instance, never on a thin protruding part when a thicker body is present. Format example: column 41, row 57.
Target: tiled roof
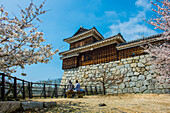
column 137, row 40
column 97, row 42
column 81, row 30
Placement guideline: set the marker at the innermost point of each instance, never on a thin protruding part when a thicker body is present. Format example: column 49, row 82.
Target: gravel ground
column 147, row 103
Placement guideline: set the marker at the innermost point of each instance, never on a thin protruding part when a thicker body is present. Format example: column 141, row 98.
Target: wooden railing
column 13, row 88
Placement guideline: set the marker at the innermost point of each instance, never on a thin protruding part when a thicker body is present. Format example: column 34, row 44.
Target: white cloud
column 110, row 13
column 135, row 26
column 144, row 4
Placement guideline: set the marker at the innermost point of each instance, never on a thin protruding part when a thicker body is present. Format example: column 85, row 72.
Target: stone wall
column 138, row 76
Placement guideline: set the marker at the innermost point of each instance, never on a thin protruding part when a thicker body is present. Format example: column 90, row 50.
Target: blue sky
column 66, row 16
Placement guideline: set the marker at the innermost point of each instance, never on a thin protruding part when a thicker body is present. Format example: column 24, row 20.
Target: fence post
column 86, row 90
column 91, row 90
column 23, row 88
column 96, row 90
column 64, row 91
column 3, row 87
column 15, row 87
column 44, row 91
column 56, row 91
column 31, row 90
column 100, row 90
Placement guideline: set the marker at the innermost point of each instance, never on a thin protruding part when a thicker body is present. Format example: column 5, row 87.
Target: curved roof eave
column 93, row 44
column 83, row 33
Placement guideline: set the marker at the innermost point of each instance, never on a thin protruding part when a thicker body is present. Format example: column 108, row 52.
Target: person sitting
column 70, row 86
column 77, row 87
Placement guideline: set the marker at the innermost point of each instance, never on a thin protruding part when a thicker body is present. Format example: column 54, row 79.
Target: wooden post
column 23, row 89
column 15, row 88
column 3, row 87
column 31, row 90
column 56, row 91
column 44, row 91
column 96, row 90
column 86, row 90
column 65, row 91
column 104, row 90
column 100, row 90
column 91, row 90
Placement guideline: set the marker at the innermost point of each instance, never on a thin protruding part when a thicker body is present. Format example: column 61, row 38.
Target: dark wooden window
column 88, row 56
column 70, row 63
column 126, row 53
column 100, row 55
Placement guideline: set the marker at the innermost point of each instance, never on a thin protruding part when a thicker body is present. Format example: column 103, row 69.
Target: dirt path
column 150, row 103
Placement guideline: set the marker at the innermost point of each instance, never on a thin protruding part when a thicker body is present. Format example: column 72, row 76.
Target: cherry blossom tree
column 106, row 80
column 160, row 54
column 20, row 41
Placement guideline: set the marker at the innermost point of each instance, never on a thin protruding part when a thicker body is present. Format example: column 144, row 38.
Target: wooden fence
column 13, row 88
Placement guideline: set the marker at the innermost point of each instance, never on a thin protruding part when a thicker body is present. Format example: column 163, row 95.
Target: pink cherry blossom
column 20, row 41
column 160, row 54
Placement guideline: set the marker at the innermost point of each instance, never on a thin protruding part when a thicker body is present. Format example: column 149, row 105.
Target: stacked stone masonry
column 139, row 76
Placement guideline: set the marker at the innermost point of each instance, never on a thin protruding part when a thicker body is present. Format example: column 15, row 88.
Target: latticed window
column 70, row 63
column 100, row 55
